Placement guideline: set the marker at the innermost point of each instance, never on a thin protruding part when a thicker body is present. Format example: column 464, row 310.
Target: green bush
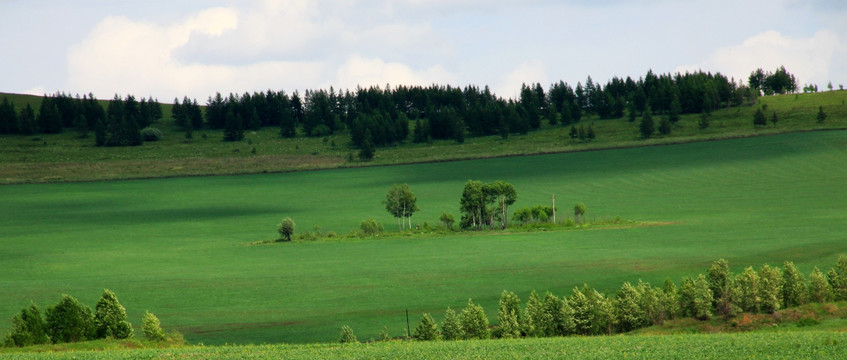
column 347, row 336
column 286, row 229
column 451, row 326
column 70, row 321
column 474, row 322
column 28, row 328
column 151, row 327
column 371, row 227
column 151, row 134
column 110, row 317
column 427, row 329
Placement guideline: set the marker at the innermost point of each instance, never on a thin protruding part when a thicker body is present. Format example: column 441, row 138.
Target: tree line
column 377, row 116
column 586, row 311
column 71, row 321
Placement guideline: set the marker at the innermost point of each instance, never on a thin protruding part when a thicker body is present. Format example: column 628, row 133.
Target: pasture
column 179, row 247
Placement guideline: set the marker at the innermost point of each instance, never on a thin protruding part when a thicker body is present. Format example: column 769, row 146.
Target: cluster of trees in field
column 71, row 321
column 777, row 82
column 118, row 125
column 588, row 312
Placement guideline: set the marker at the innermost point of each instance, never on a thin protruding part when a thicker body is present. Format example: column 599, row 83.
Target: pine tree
column 508, row 315
column 646, row 127
column 474, row 322
column 427, row 330
column 233, row 129
column 759, row 118
column 583, row 312
column 821, row 115
column 451, row 326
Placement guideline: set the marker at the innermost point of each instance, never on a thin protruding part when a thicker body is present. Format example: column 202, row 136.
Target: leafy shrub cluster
column 71, row 321
column 589, row 312
column 151, row 134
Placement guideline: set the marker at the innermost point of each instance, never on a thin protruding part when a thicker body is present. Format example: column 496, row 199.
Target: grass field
column 775, row 345
column 179, row 246
column 65, row 157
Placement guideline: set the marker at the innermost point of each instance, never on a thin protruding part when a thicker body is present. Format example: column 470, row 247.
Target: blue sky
column 165, row 49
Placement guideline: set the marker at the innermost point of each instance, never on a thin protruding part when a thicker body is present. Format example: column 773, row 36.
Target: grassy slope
column 177, row 247
column 65, row 157
column 794, row 345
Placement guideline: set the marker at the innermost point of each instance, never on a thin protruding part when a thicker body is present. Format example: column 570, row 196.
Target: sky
column 167, row 49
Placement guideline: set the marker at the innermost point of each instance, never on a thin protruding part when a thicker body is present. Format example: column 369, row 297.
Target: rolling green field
column 179, row 247
column 66, row 157
column 775, row 345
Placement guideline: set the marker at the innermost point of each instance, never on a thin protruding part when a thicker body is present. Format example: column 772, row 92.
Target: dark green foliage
column 484, row 204
column 28, row 328
column 286, row 229
column 821, row 115
column 695, row 298
column 366, row 152
column 703, row 123
column 537, row 213
column 646, row 127
column 759, row 118
column 665, row 127
column 234, row 127
column 110, row 318
column 26, row 121
column 774, row 119
column 427, row 330
column 724, row 291
column 8, row 118
column 70, row 321
column 779, row 82
column 579, row 213
column 119, row 127
column 151, row 134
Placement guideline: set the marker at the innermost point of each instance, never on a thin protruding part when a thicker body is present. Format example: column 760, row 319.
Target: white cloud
column 128, row 57
column 811, row 60
column 358, row 70
column 529, row 72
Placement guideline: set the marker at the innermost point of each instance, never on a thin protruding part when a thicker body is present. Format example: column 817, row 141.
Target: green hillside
column 66, row 157
column 179, row 247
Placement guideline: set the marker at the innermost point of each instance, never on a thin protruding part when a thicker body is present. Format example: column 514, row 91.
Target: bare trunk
column 554, row 208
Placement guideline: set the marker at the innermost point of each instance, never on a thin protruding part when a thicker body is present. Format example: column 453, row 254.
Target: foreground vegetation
column 770, row 345
column 66, row 157
column 180, row 246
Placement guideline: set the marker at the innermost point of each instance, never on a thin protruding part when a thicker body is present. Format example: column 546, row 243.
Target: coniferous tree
column 234, row 130
column 151, row 327
column 8, row 118
column 821, row 115
column 759, row 118
column 427, row 330
column 646, row 126
column 508, row 315
column 26, row 121
column 474, row 322
column 49, row 118
column 583, row 312
column 451, row 326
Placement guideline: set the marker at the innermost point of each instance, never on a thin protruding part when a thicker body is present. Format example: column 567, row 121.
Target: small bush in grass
column 347, row 336
column 286, row 229
column 151, row 134
column 152, row 328
column 371, row 227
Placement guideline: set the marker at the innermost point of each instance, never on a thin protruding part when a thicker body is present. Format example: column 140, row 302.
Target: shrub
column 286, row 229
column 427, row 329
column 110, row 317
column 508, row 315
column 371, row 227
column 474, row 322
column 819, row 291
column 151, row 327
column 69, row 321
column 447, row 220
column 452, row 326
column 28, row 328
column 321, row 130
column 770, row 289
column 151, row 134
column 347, row 336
